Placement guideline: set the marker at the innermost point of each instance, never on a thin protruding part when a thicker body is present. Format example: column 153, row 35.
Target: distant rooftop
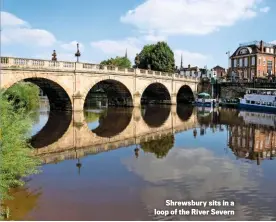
column 257, row 43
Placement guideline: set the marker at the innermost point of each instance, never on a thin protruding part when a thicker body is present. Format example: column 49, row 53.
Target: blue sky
column 201, row 30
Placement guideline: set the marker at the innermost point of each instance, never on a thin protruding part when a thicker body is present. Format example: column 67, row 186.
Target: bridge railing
column 23, row 63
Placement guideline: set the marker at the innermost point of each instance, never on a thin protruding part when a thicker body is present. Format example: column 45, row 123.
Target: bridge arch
column 57, row 94
column 117, row 93
column 155, row 93
column 185, row 94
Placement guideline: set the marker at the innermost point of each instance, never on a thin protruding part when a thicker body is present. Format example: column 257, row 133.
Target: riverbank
column 17, row 160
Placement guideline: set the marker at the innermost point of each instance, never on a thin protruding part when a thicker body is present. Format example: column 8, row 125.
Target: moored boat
column 259, row 99
column 204, row 99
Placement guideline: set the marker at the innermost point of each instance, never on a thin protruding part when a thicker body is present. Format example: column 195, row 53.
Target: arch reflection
column 155, row 116
column 113, row 121
column 184, row 112
column 56, row 126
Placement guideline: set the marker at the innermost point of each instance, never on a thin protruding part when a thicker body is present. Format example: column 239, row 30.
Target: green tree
column 159, row 56
column 122, row 62
column 24, row 95
column 160, row 147
column 17, row 160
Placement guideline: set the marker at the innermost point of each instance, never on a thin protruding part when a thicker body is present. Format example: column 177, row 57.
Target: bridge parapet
column 39, row 64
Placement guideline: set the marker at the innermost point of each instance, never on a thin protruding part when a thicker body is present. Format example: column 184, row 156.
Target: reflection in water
column 160, row 147
column 24, row 201
column 199, row 174
column 57, row 124
column 113, row 121
column 155, row 116
column 157, row 164
column 184, row 112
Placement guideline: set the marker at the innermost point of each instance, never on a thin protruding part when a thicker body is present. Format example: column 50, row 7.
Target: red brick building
column 220, row 71
column 254, row 59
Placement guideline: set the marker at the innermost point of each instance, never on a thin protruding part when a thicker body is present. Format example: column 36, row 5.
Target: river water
column 123, row 164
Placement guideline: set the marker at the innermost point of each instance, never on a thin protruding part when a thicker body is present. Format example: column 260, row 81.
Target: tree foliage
column 122, row 62
column 17, row 160
column 160, row 147
column 159, row 56
column 24, row 95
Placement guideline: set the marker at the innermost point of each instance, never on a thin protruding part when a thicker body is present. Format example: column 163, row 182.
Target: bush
column 17, row 160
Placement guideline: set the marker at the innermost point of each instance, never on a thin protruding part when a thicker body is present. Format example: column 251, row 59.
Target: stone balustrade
column 23, row 63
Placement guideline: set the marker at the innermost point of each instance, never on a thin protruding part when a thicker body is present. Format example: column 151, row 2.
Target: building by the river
column 253, row 59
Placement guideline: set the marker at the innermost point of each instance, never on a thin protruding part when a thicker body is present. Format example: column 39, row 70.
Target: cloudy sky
column 201, row 30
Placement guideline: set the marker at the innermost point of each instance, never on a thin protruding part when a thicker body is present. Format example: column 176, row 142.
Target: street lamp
column 54, row 56
column 137, row 60
column 78, row 54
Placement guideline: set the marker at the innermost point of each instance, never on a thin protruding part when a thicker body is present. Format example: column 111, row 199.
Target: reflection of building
column 252, row 141
column 254, row 59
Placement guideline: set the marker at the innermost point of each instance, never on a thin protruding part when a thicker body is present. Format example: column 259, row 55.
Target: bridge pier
column 136, row 99
column 173, row 99
column 78, row 103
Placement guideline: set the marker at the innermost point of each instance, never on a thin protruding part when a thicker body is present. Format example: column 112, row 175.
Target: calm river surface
column 121, row 164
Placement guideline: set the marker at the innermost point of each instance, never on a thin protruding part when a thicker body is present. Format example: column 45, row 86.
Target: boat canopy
column 203, row 95
column 260, row 89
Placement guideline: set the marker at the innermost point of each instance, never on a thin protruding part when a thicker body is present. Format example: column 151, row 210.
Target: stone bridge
column 67, row 84
column 73, row 138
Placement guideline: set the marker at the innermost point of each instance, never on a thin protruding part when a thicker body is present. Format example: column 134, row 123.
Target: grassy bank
column 17, row 160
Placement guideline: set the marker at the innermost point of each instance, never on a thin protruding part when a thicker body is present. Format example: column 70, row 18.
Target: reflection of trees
column 160, row 147
column 92, row 117
column 23, row 203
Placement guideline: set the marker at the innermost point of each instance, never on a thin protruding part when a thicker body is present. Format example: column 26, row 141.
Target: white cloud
column 8, row 19
column 273, row 42
column 199, row 17
column 264, row 9
column 28, row 36
column 72, row 46
column 119, row 47
column 154, row 38
column 18, row 31
column 191, row 58
column 134, row 45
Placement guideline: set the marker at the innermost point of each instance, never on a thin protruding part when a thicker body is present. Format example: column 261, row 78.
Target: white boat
column 259, row 99
column 204, row 99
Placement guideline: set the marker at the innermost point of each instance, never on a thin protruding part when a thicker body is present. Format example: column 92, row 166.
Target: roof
column 252, row 47
column 218, row 67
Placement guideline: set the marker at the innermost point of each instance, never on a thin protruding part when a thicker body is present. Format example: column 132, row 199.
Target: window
column 259, row 61
column 269, row 67
column 247, row 101
column 252, row 102
column 235, row 63
column 241, row 62
column 253, row 61
column 264, row 62
column 245, row 62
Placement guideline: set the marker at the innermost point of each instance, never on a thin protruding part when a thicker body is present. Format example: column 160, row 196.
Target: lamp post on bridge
column 78, row 54
column 54, row 56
